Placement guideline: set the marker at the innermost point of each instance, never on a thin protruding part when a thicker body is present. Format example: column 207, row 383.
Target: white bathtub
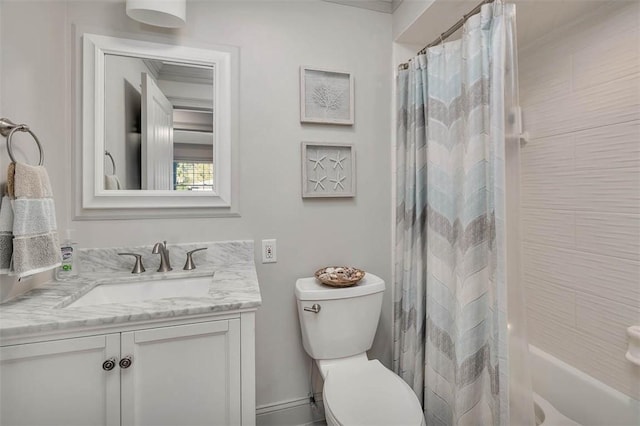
column 548, row 415
column 581, row 398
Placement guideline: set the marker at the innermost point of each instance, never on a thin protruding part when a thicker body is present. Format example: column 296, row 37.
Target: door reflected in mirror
column 158, row 125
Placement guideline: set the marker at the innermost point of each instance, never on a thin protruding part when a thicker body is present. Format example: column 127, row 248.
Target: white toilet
column 338, row 326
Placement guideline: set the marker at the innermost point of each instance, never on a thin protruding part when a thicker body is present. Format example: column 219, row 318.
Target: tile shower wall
column 580, row 93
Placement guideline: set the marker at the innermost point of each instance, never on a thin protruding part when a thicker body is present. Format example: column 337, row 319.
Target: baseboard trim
column 282, row 405
column 292, row 412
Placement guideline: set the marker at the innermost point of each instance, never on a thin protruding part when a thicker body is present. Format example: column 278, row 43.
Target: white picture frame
column 328, row 170
column 326, row 96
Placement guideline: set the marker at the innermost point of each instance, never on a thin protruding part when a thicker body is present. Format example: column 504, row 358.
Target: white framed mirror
column 158, row 128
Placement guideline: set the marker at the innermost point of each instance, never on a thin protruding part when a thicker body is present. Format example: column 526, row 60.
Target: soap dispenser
column 68, row 267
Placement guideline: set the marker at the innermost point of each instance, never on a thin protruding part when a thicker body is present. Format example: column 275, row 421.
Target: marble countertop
column 234, row 286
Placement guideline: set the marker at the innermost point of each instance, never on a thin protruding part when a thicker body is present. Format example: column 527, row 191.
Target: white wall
column 406, row 14
column 580, row 93
column 123, row 86
column 275, row 38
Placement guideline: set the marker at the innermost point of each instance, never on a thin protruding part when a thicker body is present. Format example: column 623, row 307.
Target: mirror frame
column 96, row 202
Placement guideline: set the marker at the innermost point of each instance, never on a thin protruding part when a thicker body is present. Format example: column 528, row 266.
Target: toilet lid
column 371, row 395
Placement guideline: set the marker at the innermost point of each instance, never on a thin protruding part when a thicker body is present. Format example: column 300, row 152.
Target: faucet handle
column 138, row 268
column 189, row 265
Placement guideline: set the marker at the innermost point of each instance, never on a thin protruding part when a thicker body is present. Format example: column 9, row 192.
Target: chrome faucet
column 165, row 262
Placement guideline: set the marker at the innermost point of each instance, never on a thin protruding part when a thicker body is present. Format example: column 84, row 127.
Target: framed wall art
column 326, row 96
column 328, row 170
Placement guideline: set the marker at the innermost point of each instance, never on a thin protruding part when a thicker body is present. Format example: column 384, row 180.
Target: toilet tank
column 348, row 318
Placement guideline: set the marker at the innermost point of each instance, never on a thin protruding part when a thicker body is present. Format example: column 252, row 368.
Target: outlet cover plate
column 269, row 254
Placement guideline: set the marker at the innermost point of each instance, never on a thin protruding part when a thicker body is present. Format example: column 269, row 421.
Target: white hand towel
column 111, row 182
column 35, row 238
column 6, row 234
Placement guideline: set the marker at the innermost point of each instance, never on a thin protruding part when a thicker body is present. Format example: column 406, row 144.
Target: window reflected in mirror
column 193, row 176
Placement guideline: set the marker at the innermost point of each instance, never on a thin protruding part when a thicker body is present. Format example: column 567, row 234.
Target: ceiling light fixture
column 161, row 13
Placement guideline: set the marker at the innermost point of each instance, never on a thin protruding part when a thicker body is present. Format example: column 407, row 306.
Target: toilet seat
column 369, row 394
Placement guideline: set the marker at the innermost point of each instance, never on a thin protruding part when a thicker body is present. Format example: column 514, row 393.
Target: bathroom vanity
column 165, row 361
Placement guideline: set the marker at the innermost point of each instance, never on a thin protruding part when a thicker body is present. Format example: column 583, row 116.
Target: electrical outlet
column 269, row 251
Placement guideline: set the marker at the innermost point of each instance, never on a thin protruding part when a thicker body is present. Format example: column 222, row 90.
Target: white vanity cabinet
column 182, row 375
column 60, row 382
column 189, row 373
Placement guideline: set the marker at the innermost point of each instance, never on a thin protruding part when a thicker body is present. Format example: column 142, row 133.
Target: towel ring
column 113, row 163
column 8, row 128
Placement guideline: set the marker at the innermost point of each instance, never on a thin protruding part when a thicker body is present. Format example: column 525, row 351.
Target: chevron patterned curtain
column 450, row 336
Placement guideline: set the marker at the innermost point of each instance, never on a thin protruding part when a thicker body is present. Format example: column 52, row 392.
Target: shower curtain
column 456, row 125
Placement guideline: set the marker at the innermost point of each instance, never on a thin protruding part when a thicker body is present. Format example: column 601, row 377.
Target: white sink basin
column 139, row 291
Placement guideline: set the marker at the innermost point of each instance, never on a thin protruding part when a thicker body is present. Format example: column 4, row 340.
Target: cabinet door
column 182, row 375
column 60, row 382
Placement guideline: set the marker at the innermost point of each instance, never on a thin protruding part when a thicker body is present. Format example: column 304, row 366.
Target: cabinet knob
column 126, row 362
column 109, row 364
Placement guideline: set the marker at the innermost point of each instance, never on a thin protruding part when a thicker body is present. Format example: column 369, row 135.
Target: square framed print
column 328, row 170
column 326, row 96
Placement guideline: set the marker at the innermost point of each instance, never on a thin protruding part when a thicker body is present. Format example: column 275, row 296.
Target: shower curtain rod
column 445, row 35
